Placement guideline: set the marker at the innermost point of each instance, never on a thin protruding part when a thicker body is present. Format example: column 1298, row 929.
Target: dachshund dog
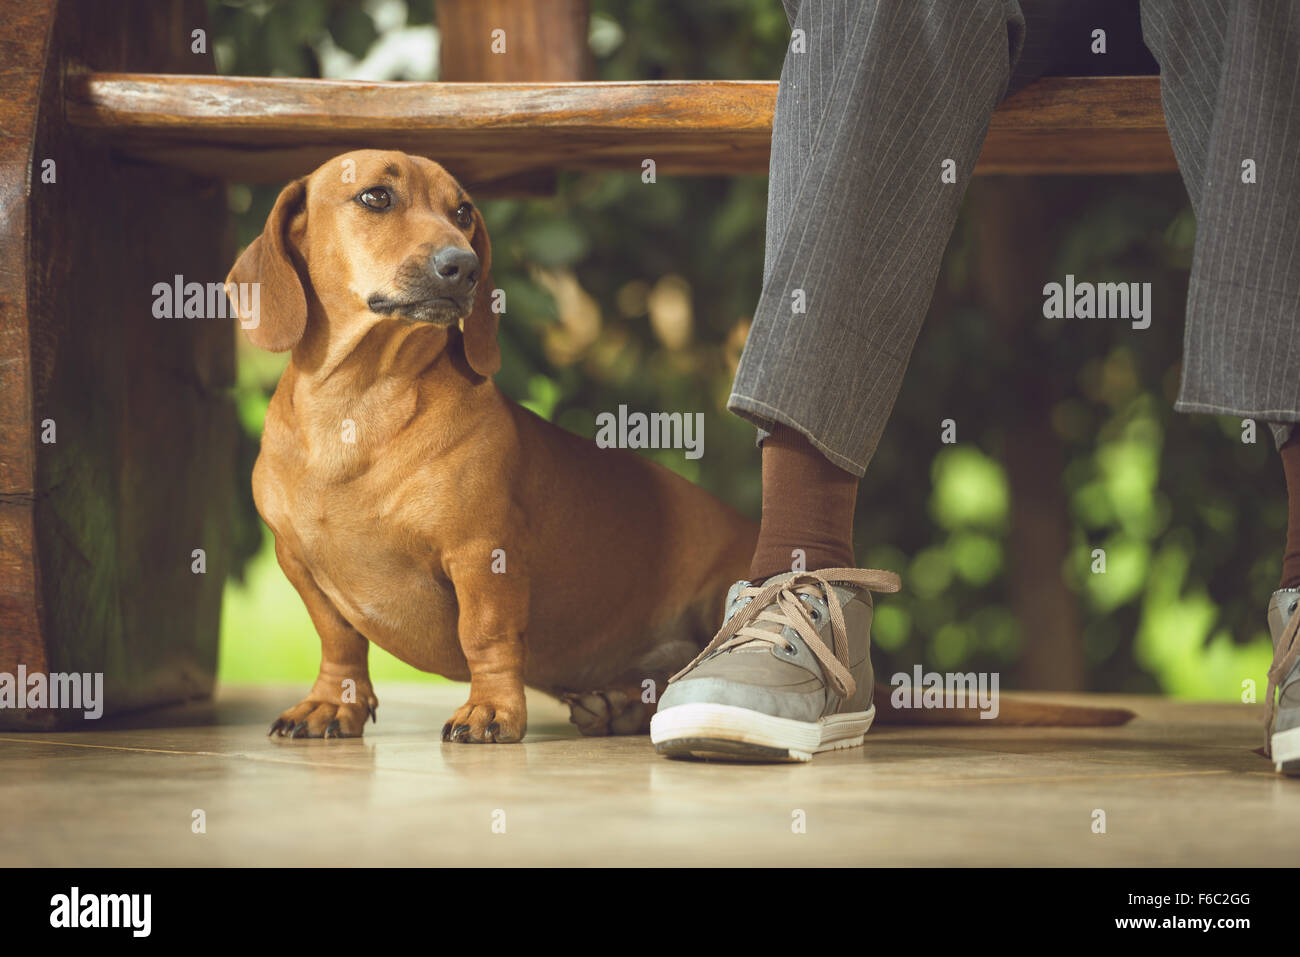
column 416, row 507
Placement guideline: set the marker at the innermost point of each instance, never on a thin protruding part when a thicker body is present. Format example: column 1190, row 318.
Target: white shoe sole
column 1285, row 746
column 725, row 731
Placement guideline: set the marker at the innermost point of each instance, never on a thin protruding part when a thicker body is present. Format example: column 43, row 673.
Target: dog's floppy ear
column 480, row 326
column 275, row 315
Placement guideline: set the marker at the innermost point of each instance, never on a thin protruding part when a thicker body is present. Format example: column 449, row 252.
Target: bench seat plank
column 499, row 135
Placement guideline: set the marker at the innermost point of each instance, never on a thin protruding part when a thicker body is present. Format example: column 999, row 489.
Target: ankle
column 808, row 504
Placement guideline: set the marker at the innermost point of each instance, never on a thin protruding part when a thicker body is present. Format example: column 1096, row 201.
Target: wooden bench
column 99, row 527
column 499, row 135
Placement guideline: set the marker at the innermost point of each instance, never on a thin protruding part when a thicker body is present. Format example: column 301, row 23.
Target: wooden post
column 117, row 433
column 537, row 41
column 1014, row 242
column 513, row 41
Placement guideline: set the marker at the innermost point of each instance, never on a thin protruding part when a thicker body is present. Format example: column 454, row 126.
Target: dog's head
column 375, row 236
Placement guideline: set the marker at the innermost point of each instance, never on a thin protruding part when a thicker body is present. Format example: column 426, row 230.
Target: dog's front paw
column 319, row 717
column 486, row 722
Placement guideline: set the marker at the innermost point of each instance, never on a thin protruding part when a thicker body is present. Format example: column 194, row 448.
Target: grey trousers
column 881, row 92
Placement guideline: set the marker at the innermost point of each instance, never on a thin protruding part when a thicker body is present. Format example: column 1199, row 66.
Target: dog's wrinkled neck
column 384, row 371
column 359, row 350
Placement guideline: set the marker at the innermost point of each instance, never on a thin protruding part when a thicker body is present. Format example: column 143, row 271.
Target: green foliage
column 969, row 489
column 263, row 38
column 1190, row 518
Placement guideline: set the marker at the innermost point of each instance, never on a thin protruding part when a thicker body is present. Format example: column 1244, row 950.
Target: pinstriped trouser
column 884, row 90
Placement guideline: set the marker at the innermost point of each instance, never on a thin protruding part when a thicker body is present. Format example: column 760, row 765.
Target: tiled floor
column 1179, row 785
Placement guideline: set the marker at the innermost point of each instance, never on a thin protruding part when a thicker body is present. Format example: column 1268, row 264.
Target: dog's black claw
column 494, row 729
column 446, row 731
column 333, row 730
column 300, row 731
column 373, row 718
column 458, row 732
column 277, row 725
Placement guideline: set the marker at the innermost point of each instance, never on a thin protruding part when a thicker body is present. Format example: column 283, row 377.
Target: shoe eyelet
column 792, row 651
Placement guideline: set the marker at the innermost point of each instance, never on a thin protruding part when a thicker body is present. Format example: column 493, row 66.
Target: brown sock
column 1291, row 466
column 807, row 504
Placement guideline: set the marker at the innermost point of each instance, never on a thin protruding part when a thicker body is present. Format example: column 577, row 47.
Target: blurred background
column 623, row 293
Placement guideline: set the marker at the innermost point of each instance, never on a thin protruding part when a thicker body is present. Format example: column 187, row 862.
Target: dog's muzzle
column 439, row 289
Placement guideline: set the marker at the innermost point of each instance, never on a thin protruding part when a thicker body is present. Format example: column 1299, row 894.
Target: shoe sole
column 1286, row 751
column 725, row 732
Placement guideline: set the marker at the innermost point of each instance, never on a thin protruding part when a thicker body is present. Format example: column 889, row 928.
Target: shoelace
column 779, row 603
column 1284, row 659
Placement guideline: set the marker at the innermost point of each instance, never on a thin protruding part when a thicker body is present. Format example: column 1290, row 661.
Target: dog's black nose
column 455, row 270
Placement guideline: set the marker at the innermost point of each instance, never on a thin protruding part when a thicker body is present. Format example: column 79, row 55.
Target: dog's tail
column 1010, row 712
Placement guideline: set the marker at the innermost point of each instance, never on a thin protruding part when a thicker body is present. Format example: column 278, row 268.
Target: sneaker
column 1282, row 741
column 788, row 675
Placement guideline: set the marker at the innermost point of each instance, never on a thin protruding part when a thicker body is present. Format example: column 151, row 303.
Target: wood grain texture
column 271, row 130
column 544, row 40
column 142, row 469
column 23, row 54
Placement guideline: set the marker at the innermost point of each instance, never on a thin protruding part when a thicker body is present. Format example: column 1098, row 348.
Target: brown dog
column 416, row 507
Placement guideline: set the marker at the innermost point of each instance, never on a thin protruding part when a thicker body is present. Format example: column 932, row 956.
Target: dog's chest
column 367, row 549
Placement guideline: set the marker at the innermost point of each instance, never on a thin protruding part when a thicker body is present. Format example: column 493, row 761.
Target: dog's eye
column 464, row 215
column 376, row 197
